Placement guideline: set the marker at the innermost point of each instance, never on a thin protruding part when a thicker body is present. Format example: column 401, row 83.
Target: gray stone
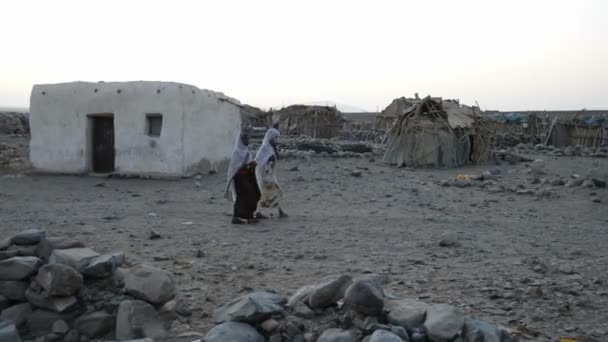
column 167, row 313
column 384, row 336
column 301, row 295
column 28, row 237
column 59, row 280
column 13, row 290
column 418, row 335
column 17, row 268
column 461, row 183
column 40, row 298
column 328, row 291
column 443, row 322
column 365, row 297
column 18, row 314
column 8, row 332
column 94, row 325
column 46, row 247
column 599, row 183
column 72, row 336
column 77, row 258
column 150, row 284
column 60, row 328
column 407, row 313
column 233, row 331
column 448, row 240
column 40, row 322
column 5, row 243
column 104, row 266
column 269, row 325
column 507, row 335
column 476, row 330
column 254, row 307
column 183, row 308
column 7, row 254
column 4, row 302
column 138, row 319
column 337, row 335
column 300, row 309
column 401, row 332
column 22, row 250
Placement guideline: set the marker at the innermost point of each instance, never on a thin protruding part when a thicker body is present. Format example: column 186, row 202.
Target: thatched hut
column 589, row 129
column 313, row 121
column 439, row 133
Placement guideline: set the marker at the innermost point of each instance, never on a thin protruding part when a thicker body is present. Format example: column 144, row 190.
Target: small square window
column 154, row 124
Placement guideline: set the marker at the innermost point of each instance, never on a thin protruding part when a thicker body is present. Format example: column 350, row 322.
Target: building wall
column 61, row 128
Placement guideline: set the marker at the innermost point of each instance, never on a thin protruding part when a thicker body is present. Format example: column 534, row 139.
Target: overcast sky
column 508, row 55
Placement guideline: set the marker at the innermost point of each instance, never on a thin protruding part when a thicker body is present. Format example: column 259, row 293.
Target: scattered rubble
column 73, row 293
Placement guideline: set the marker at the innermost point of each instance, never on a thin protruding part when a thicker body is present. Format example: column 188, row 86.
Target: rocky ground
column 514, row 246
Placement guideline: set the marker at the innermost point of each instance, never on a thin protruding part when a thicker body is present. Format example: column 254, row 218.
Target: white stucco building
column 141, row 128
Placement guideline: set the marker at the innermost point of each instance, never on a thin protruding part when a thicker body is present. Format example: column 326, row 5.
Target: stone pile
column 542, row 183
column 307, row 148
column 568, row 151
column 14, row 123
column 339, row 308
column 56, row 289
column 374, row 136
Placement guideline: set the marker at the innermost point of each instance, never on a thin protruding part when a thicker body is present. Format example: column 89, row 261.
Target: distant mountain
column 14, row 109
column 344, row 108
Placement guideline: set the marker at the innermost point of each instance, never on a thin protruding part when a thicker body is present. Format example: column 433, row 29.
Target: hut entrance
column 102, row 145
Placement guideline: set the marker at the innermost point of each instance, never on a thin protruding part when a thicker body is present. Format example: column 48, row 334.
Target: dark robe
column 247, row 192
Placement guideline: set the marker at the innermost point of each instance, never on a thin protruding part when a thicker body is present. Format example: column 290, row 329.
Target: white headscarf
column 266, row 150
column 240, row 157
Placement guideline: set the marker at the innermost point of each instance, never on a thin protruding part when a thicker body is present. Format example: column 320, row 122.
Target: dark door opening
column 103, row 144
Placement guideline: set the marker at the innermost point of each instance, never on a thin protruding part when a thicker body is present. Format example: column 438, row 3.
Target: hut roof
column 456, row 114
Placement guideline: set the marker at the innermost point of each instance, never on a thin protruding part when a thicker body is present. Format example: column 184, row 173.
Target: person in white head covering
column 241, row 186
column 266, row 159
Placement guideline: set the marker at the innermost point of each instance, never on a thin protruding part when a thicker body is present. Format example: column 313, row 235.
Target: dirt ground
column 536, row 265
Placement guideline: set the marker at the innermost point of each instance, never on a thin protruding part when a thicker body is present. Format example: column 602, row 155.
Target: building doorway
column 103, row 152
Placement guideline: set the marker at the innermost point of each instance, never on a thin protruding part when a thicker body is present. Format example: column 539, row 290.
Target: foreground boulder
column 150, row 284
column 337, row 335
column 254, row 307
column 8, row 332
column 475, row 330
column 94, row 325
column 46, row 247
column 59, row 280
column 104, row 266
column 443, row 322
column 365, row 297
column 385, row 336
column 28, row 237
column 13, row 290
column 39, row 297
column 323, row 293
column 407, row 313
column 138, row 319
column 77, row 258
column 233, row 331
column 17, row 268
column 17, row 314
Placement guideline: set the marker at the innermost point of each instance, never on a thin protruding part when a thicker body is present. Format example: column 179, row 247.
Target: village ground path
column 539, row 265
